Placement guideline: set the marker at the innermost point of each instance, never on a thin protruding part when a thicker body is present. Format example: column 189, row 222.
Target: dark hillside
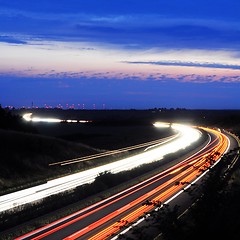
column 25, row 157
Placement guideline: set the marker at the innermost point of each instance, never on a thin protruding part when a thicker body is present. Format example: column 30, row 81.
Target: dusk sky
column 120, row 54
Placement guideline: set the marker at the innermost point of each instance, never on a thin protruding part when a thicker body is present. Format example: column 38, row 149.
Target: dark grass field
column 25, row 158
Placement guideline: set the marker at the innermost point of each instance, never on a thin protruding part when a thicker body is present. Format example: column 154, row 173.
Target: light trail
column 186, row 176
column 188, row 171
column 53, row 227
column 187, row 136
column 152, row 144
column 129, row 218
column 222, row 147
column 59, row 224
column 116, row 213
column 28, row 117
column 143, row 209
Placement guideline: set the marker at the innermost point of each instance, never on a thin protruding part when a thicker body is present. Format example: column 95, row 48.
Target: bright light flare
column 70, row 121
column 28, row 117
column 162, row 124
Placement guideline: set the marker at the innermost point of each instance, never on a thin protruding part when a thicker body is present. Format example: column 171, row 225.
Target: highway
column 154, row 151
column 107, row 218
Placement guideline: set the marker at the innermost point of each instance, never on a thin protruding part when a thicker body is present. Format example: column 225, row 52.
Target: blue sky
column 120, row 54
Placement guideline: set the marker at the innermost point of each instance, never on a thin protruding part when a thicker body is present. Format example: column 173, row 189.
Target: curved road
column 106, row 219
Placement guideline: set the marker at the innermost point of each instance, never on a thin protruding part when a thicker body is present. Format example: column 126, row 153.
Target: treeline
column 14, row 122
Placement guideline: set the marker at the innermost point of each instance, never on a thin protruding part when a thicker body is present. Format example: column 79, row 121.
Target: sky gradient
column 120, row 54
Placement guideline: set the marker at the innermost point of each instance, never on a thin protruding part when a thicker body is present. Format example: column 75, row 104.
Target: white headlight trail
column 187, row 135
column 28, row 117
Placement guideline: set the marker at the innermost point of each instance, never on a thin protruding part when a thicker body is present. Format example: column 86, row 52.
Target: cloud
column 9, row 39
column 145, row 29
column 121, row 76
column 188, row 64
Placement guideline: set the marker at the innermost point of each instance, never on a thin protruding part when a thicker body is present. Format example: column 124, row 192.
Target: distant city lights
column 73, row 106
